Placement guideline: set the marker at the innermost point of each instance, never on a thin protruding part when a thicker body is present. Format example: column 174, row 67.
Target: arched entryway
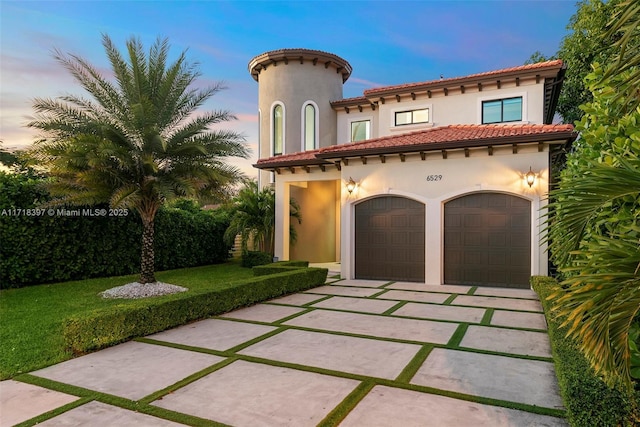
column 487, row 240
column 390, row 239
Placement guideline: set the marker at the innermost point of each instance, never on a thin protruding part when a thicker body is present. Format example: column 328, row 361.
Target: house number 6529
column 434, row 177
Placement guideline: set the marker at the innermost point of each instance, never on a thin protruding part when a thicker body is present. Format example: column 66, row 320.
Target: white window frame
column 496, row 97
column 303, row 123
column 361, row 119
column 284, row 127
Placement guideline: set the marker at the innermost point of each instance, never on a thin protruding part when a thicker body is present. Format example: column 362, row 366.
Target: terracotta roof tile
column 301, row 158
column 444, row 137
column 557, row 63
column 451, row 135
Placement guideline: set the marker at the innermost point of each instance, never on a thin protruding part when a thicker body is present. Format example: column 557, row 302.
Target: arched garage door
column 390, row 239
column 487, row 240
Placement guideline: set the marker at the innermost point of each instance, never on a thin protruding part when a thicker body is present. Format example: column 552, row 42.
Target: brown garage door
column 390, row 239
column 487, row 240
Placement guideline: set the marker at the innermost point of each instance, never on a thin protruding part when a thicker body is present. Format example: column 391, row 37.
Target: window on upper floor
column 360, row 130
column 309, row 126
column 278, row 130
column 412, row 117
column 502, row 110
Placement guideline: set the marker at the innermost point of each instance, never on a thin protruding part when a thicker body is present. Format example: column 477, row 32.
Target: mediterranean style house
column 439, row 182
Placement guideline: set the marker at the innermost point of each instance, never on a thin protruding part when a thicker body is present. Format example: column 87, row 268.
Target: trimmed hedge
column 279, row 267
column 251, row 259
column 111, row 326
column 57, row 248
column 589, row 401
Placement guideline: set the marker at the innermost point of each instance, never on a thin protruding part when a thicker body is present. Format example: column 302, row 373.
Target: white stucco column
column 282, row 221
column 433, row 243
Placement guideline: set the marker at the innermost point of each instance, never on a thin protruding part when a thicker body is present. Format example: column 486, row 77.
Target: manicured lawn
column 31, row 318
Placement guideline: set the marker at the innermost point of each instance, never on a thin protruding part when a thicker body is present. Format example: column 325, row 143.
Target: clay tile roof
column 547, row 65
column 453, row 136
column 351, row 101
column 439, row 138
column 294, row 159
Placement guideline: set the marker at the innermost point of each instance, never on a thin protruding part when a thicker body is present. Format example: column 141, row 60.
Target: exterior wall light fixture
column 530, row 177
column 351, row 185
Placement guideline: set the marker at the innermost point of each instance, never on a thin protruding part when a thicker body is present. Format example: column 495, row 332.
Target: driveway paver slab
column 362, row 283
column 496, row 302
column 414, row 296
column 413, row 286
column 214, row 334
column 380, row 359
column 366, row 305
column 344, row 291
column 101, row 414
column 442, row 312
column 511, row 341
column 251, row 394
column 20, row 401
column 518, row 319
column 132, row 370
column 297, row 299
column 263, row 313
column 386, row 406
column 532, row 382
column 506, row 292
column 377, row 326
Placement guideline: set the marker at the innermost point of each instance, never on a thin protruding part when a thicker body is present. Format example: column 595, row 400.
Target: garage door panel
column 487, row 239
column 472, row 220
column 390, row 230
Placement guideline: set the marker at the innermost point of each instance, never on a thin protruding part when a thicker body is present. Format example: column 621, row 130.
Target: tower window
column 278, row 130
column 310, row 125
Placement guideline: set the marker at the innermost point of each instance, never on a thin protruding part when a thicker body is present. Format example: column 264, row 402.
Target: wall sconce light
column 530, row 177
column 351, row 185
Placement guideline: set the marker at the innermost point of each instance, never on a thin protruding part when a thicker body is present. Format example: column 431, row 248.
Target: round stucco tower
column 295, row 90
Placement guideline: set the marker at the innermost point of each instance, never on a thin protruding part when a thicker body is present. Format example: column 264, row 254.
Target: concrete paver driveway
column 350, row 353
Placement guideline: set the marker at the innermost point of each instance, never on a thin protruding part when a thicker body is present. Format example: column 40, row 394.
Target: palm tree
column 627, row 21
column 254, row 218
column 137, row 143
column 601, row 296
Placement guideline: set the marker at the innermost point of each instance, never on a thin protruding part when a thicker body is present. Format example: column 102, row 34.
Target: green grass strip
column 472, row 290
column 486, row 319
column 120, row 402
column 394, row 308
column 340, row 412
column 293, row 316
column 410, row 370
column 54, row 413
column 457, row 336
column 186, row 381
column 376, row 295
column 449, row 300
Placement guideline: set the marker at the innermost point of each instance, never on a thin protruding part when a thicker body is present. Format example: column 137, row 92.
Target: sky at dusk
column 386, row 43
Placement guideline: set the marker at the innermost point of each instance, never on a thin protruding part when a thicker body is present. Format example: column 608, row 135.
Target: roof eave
column 557, row 137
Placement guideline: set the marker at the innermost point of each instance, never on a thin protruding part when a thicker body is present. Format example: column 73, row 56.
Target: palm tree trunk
column 147, row 265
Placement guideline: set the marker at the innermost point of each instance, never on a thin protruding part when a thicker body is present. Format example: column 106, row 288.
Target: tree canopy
column 137, row 141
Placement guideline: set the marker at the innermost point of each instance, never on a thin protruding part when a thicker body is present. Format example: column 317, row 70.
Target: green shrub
column 57, row 248
column 589, row 401
column 102, row 328
column 279, row 267
column 251, row 259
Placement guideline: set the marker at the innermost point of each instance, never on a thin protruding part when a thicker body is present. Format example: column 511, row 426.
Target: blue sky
column 386, row 42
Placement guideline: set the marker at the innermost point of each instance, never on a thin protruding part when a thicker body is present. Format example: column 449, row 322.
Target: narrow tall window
column 502, row 110
column 360, row 130
column 278, row 130
column 310, row 127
